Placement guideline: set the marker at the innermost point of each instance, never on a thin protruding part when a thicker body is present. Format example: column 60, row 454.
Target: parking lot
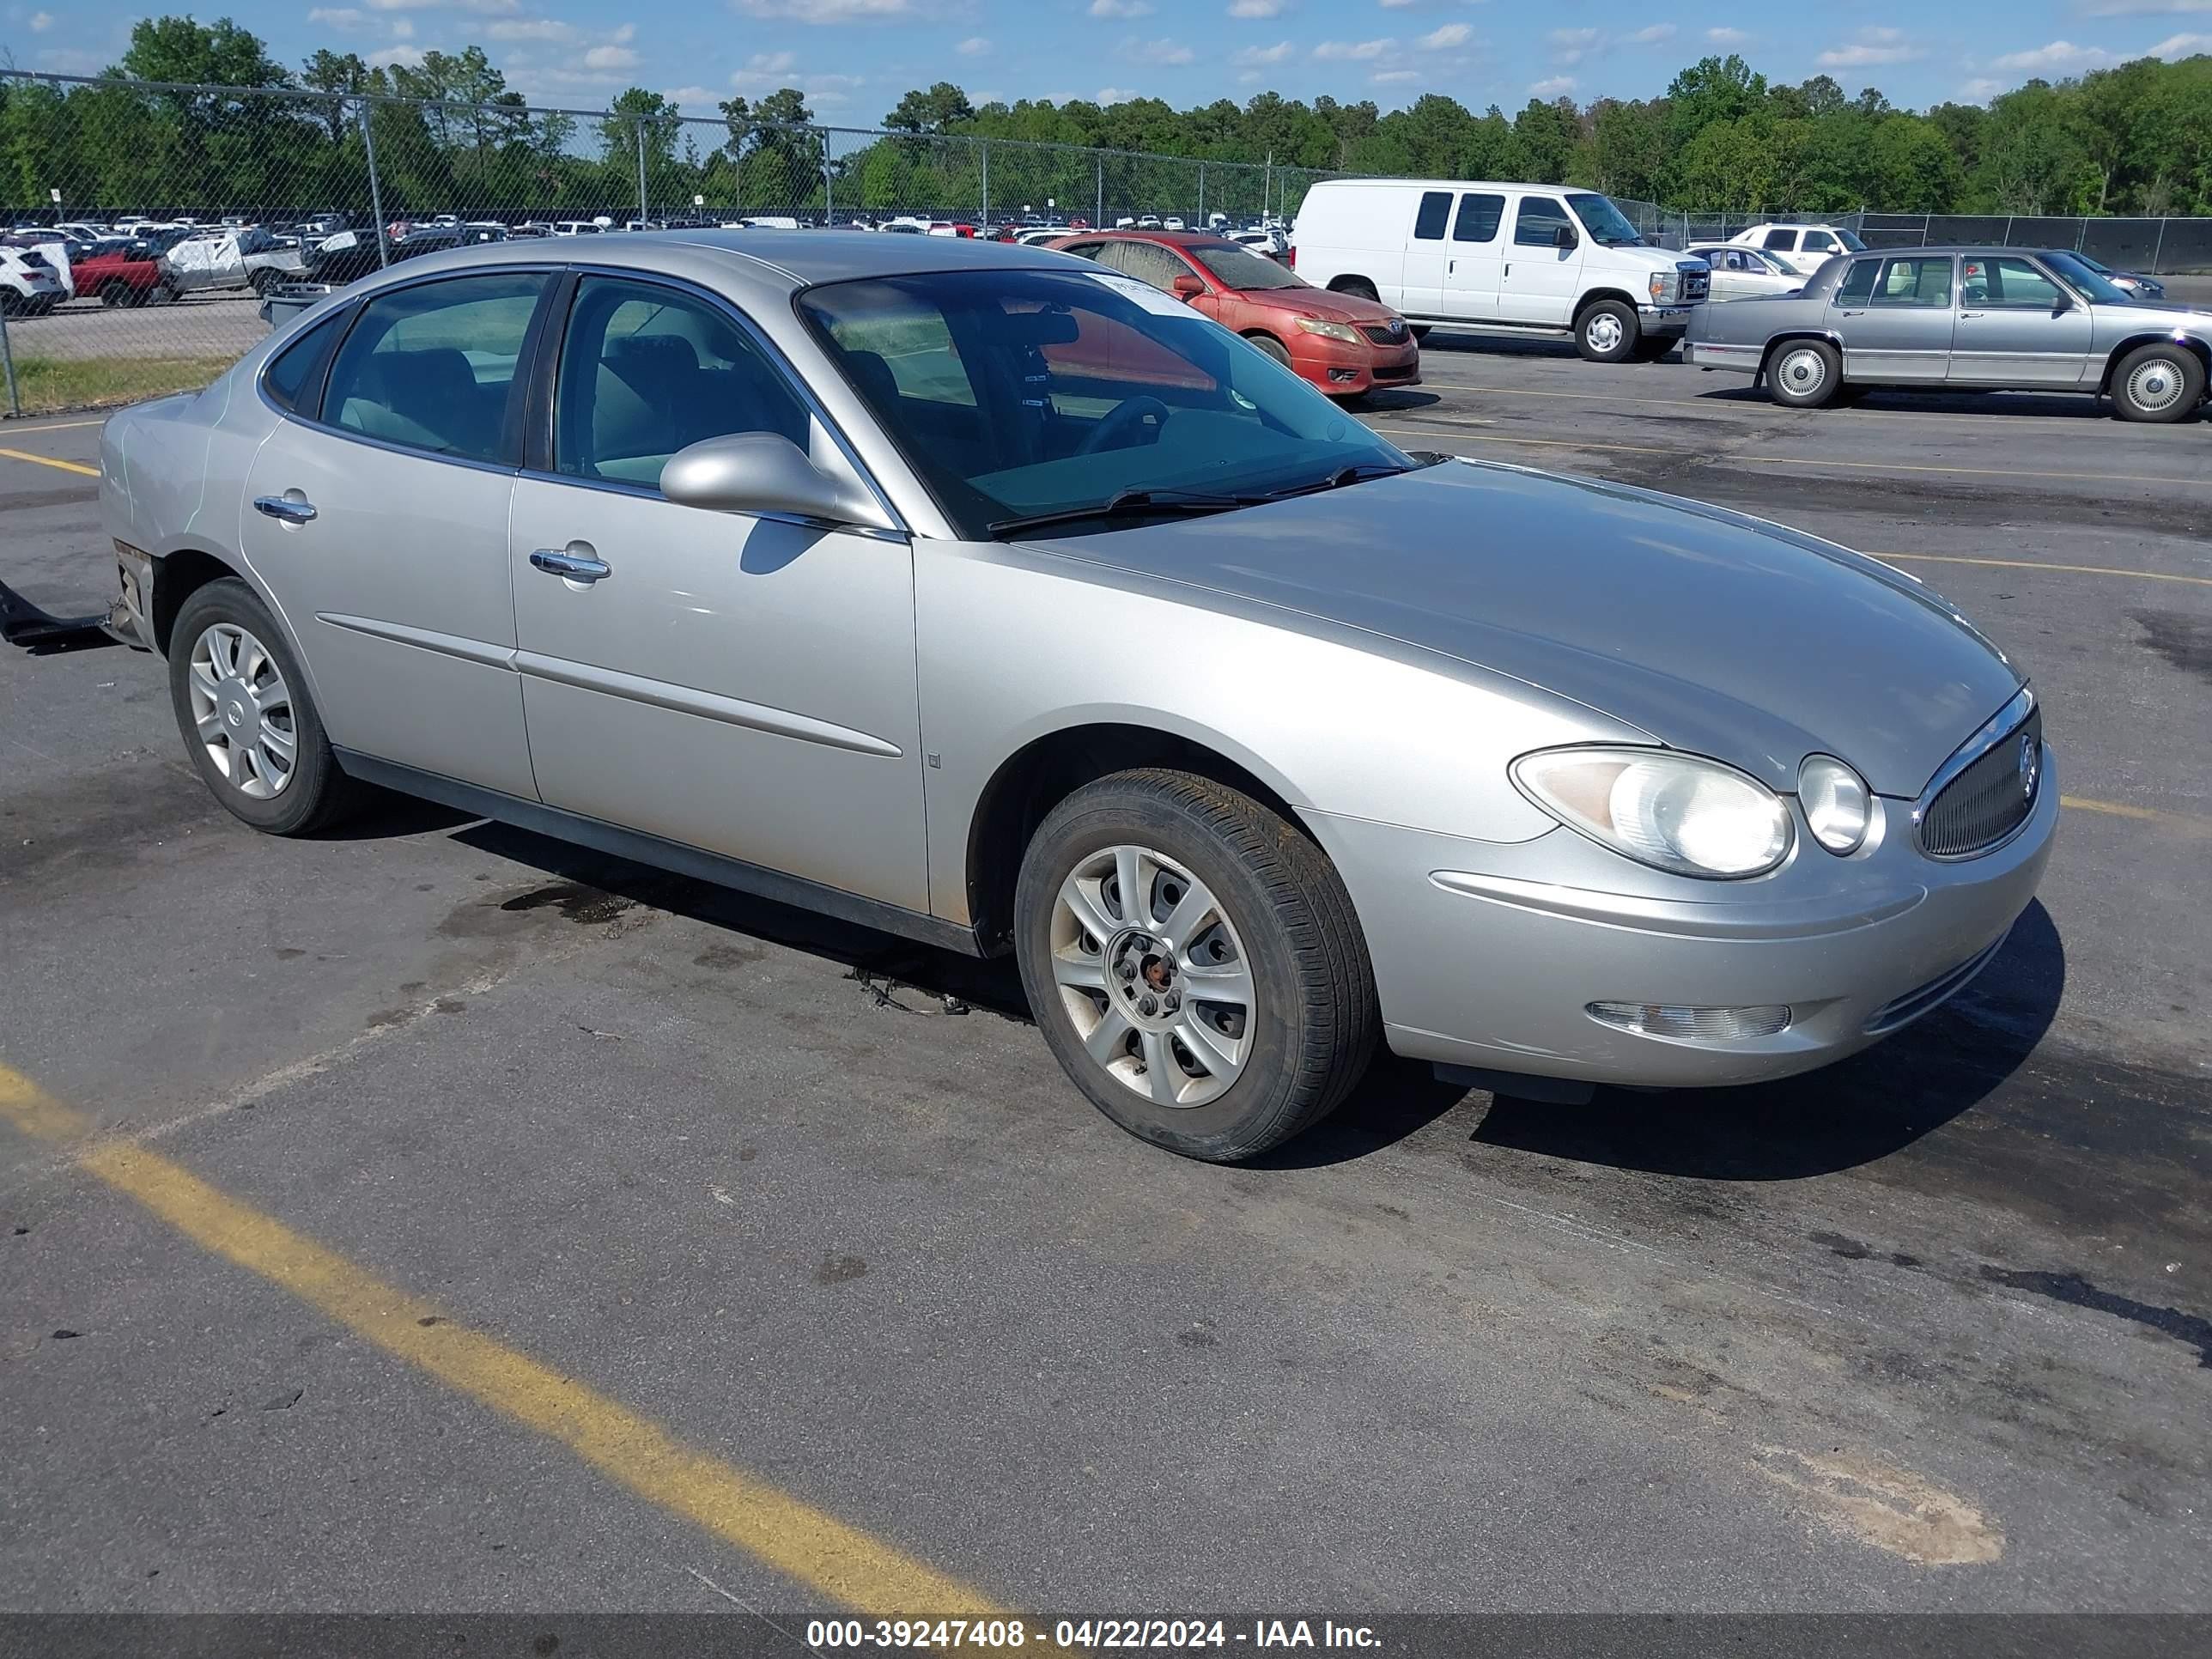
column 433, row 1216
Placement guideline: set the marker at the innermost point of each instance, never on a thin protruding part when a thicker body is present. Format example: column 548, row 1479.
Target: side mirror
column 762, row 472
column 1188, row 288
column 2061, row 305
column 1565, row 237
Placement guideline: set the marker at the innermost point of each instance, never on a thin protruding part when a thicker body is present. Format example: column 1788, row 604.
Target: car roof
column 1172, row 238
column 761, row 262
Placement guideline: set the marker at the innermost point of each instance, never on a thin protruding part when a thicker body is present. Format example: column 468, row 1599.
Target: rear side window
column 430, row 367
column 293, row 373
column 1479, row 217
column 1780, row 241
column 1924, row 283
column 1539, row 222
column 1428, row 223
column 1857, row 286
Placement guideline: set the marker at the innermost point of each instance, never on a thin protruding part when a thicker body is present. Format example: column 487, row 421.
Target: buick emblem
column 2030, row 763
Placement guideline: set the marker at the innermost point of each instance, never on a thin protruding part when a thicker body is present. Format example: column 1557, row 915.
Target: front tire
column 1608, row 332
column 1194, row 962
column 1274, row 346
column 2158, row 382
column 1805, row 374
column 248, row 722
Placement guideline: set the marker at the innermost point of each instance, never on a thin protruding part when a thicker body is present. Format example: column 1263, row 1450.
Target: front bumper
column 1487, row 954
column 1344, row 370
column 1666, row 320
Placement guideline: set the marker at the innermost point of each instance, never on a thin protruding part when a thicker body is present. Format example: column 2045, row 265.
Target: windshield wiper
column 1130, row 504
column 1337, row 480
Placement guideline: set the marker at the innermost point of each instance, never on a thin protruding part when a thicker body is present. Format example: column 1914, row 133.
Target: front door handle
column 1972, row 313
column 575, row 562
column 284, row 509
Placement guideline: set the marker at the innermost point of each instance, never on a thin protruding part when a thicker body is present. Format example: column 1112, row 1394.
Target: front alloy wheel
column 1152, row 977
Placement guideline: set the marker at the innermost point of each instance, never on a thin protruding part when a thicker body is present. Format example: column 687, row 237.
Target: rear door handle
column 577, row 566
column 284, row 509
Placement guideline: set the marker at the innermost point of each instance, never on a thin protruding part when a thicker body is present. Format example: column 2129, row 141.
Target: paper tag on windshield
column 1161, row 305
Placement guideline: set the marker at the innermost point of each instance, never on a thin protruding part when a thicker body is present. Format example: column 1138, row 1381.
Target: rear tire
column 1420, row 331
column 1608, row 332
column 1805, row 374
column 1359, row 286
column 1240, row 920
column 115, row 293
column 2158, row 382
column 242, row 702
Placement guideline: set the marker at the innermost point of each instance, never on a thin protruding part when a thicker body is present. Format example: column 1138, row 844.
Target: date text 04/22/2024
column 1088, row 1634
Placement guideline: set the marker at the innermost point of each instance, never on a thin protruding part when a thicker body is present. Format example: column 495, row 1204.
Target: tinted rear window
column 1436, row 209
column 294, row 372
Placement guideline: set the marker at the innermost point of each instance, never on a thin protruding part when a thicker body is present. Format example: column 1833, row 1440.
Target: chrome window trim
column 900, row 531
column 1992, row 732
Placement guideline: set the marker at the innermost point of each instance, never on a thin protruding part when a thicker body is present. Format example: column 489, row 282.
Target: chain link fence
column 146, row 220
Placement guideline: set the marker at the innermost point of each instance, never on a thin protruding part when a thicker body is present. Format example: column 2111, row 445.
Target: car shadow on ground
column 1864, row 1109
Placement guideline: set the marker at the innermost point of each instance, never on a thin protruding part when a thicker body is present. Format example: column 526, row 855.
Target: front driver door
column 382, row 528
column 742, row 685
column 2016, row 326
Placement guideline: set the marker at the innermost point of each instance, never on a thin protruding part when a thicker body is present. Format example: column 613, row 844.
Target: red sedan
column 1344, row 344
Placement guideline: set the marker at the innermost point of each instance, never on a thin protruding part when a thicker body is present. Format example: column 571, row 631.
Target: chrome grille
column 1990, row 797
column 1695, row 283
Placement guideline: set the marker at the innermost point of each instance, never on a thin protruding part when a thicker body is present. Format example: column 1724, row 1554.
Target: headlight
column 1673, row 812
column 1838, row 805
column 1343, row 332
column 1665, row 284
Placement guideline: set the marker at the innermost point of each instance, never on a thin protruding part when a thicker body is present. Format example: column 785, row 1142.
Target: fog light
column 1661, row 1019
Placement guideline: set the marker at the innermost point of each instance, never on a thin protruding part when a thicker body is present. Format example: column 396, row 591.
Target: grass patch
column 48, row 384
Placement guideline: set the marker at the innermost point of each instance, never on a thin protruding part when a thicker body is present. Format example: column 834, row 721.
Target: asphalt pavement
column 377, row 1212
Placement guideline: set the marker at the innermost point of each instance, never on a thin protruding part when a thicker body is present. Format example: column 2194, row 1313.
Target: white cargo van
column 1528, row 258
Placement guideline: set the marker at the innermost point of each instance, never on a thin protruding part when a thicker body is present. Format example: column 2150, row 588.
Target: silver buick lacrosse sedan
column 987, row 596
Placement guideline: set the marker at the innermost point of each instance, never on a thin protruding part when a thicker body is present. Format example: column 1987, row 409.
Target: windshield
column 1604, row 222
column 1849, row 240
column 1241, row 268
column 2100, row 289
column 1762, row 257
column 1019, row 392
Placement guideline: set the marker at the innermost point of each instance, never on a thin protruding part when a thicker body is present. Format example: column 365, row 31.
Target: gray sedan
column 1990, row 318
column 986, row 597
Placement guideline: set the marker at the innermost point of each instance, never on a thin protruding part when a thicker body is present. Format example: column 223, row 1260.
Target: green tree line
column 2137, row 138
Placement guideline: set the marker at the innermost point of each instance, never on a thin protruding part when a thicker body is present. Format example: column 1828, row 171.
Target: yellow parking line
column 2187, row 821
column 49, row 460
column 841, row 1562
column 1445, row 428
column 2040, row 564
column 59, row 426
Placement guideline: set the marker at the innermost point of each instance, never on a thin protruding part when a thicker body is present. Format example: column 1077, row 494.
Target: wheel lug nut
column 1170, row 1002
column 1127, row 970
column 1146, row 1006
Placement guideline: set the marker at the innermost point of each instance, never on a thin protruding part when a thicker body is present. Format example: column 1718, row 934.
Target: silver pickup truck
column 1984, row 318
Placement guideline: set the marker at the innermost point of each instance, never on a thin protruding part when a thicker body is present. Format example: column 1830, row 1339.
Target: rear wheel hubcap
column 242, row 711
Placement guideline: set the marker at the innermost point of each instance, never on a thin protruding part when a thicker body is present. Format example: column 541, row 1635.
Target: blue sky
column 854, row 58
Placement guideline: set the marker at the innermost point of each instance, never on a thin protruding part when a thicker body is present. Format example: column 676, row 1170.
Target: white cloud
column 1257, row 55
column 1339, row 52
column 1656, row 34
column 41, row 21
column 828, row 12
column 395, row 56
column 1256, row 8
column 611, row 57
column 1442, row 39
column 2058, row 55
column 345, row 19
column 1394, row 77
column 1725, row 36
column 1120, row 8
column 1157, row 51
column 402, row 29
column 770, row 63
column 480, row 7
column 1873, row 46
column 974, row 46
column 69, row 60
column 1399, row 5
column 771, row 71
column 1113, row 96
column 1573, row 46
column 692, row 97
column 1554, row 87
column 2144, row 8
column 1981, row 89
column 531, row 28
column 2182, row 46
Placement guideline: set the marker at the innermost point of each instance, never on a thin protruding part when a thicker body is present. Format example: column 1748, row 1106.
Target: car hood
column 1320, row 304
column 1713, row 632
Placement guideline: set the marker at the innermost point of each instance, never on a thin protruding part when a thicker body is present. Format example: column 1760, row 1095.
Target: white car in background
column 29, row 286
column 1740, row 272
column 1804, row 248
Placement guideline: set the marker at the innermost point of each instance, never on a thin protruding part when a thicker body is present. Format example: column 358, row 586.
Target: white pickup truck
column 1523, row 258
